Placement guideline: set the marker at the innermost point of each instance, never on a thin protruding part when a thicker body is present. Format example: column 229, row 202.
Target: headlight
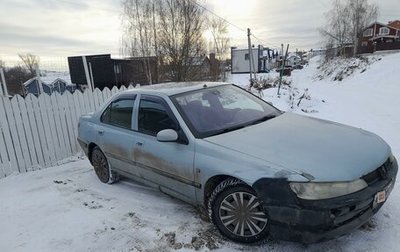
column 323, row 190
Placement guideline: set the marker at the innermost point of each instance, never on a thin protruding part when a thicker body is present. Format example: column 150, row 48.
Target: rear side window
column 119, row 113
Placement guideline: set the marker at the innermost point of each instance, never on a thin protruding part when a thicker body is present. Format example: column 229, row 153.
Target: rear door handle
column 101, row 132
column 139, row 143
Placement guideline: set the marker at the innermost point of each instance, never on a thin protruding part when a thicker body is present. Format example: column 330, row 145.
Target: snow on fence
column 38, row 132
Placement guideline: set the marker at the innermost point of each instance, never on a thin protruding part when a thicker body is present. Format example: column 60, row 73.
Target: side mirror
column 167, row 135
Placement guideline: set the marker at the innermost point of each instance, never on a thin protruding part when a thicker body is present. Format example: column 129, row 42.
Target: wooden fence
column 38, row 132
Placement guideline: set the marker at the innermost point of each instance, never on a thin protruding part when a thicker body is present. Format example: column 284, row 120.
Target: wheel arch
column 212, row 183
column 90, row 150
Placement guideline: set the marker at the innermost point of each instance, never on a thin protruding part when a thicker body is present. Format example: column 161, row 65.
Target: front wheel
column 237, row 213
column 101, row 167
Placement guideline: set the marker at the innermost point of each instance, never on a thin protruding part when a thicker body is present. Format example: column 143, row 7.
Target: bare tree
column 361, row 14
column 337, row 28
column 171, row 30
column 15, row 77
column 140, row 32
column 219, row 31
column 30, row 61
column 345, row 21
column 181, row 41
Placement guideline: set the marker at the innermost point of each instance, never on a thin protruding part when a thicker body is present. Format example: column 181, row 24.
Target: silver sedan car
column 255, row 170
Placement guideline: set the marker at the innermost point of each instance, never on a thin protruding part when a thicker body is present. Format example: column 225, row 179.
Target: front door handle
column 139, row 143
column 101, row 132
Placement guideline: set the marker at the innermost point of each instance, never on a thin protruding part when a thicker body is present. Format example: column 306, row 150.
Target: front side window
column 119, row 113
column 154, row 117
column 217, row 110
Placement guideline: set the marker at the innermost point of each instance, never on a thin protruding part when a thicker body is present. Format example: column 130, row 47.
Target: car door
column 116, row 136
column 168, row 164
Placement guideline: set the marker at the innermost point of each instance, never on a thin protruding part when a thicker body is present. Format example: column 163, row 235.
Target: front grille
column 379, row 174
column 346, row 214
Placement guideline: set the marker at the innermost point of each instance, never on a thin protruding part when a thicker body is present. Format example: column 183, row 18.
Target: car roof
column 173, row 88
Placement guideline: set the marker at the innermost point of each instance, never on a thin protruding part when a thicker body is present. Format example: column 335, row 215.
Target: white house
column 293, row 61
column 262, row 59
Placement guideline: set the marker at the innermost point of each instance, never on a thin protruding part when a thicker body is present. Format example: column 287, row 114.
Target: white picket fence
column 39, row 132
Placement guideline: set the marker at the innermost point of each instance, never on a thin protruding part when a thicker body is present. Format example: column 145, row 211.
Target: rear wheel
column 235, row 210
column 101, row 167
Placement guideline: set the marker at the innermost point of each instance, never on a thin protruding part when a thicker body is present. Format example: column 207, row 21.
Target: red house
column 379, row 37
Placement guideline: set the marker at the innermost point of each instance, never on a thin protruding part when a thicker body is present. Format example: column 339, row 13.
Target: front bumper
column 310, row 221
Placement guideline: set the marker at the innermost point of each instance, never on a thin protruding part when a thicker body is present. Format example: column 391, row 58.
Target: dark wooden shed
column 105, row 71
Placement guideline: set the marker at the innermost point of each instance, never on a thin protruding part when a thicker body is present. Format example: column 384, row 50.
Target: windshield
column 216, row 110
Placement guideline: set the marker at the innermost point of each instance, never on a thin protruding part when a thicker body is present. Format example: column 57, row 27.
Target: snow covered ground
column 66, row 208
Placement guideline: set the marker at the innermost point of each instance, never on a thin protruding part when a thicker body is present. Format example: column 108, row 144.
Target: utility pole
column 252, row 62
column 250, row 53
column 283, row 67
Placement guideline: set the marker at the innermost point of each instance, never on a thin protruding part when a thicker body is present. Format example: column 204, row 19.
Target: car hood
column 319, row 150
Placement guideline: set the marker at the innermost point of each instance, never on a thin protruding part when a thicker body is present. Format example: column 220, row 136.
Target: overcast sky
column 51, row 28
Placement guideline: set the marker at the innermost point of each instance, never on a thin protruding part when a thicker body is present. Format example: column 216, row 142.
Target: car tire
column 235, row 210
column 102, row 168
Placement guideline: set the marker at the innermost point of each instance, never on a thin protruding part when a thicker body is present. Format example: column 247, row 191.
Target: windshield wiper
column 236, row 127
column 263, row 119
column 241, row 126
column 233, row 128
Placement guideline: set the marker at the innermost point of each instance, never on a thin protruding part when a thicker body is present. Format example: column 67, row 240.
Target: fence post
column 91, row 76
column 85, row 67
column 3, row 91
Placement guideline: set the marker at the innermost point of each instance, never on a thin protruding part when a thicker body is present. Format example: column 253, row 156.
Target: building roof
column 30, row 81
column 395, row 24
column 198, row 61
column 389, row 25
column 58, row 80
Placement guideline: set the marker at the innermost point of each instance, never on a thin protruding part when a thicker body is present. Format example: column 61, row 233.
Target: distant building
column 199, row 67
column 379, row 37
column 32, row 86
column 263, row 60
column 293, row 61
column 105, row 71
column 59, row 85
column 316, row 52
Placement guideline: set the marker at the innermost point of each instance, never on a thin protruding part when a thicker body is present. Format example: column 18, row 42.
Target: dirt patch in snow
column 204, row 239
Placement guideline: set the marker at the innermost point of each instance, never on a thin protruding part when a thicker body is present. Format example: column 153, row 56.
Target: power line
column 230, row 23
column 193, row 1
column 201, row 6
